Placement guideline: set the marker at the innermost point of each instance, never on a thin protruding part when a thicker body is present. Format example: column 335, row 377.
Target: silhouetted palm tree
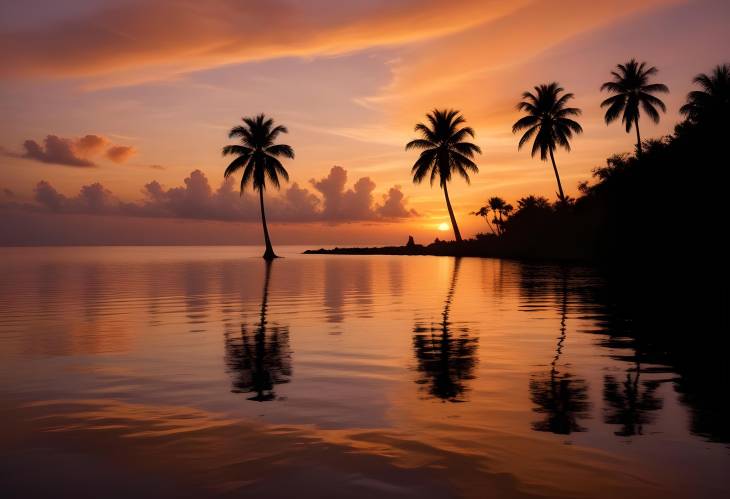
column 548, row 120
column 633, row 91
column 712, row 103
column 500, row 208
column 444, row 152
column 533, row 203
column 484, row 212
column 258, row 157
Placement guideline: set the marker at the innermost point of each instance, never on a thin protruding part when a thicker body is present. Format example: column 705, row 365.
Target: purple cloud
column 196, row 199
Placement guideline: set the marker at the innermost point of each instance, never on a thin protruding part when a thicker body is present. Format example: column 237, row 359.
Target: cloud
column 394, row 205
column 120, row 154
column 47, row 196
column 90, row 145
column 346, row 205
column 163, row 37
column 56, row 150
column 93, row 198
column 72, row 151
column 196, row 199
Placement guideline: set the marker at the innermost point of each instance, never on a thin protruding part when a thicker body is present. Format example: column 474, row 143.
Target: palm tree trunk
column 269, row 253
column 457, row 234
column 557, row 177
column 638, row 138
column 486, row 218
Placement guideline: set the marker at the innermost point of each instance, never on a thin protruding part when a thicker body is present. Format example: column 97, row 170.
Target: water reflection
column 446, row 355
column 559, row 396
column 688, row 359
column 630, row 403
column 259, row 359
column 347, row 286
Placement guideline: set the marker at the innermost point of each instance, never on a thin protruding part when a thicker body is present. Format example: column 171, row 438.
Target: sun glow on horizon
column 443, row 226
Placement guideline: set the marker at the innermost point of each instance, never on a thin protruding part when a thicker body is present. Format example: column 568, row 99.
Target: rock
column 410, row 242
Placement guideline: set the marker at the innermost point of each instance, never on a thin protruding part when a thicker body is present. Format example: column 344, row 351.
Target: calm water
column 194, row 372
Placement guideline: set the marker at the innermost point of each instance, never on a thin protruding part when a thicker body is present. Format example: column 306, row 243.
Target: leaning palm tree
column 632, row 88
column 444, row 151
column 548, row 120
column 258, row 156
column 484, row 212
column 711, row 104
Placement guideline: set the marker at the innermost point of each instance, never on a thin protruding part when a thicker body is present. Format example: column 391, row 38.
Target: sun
column 443, row 226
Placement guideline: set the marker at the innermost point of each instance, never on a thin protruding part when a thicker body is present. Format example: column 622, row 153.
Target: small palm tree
column 484, row 212
column 548, row 120
column 632, row 88
column 258, row 157
column 712, row 103
column 444, row 152
column 501, row 209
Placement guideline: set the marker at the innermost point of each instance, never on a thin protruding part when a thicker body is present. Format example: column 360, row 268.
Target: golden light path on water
column 181, row 372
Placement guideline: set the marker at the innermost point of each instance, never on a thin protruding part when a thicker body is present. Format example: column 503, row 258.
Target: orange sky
column 121, row 93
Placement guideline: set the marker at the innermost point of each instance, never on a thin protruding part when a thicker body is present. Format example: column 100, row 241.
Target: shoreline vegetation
column 658, row 206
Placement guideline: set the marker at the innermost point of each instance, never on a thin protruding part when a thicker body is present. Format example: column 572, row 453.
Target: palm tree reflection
column 445, row 358
column 258, row 359
column 560, row 397
column 631, row 403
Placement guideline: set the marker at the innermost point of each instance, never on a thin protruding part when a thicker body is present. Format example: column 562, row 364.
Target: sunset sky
column 114, row 112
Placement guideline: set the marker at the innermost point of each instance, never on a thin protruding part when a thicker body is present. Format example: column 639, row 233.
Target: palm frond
column 278, row 168
column 527, row 136
column 280, row 150
column 467, row 149
column 235, row 149
column 419, row 144
column 236, row 165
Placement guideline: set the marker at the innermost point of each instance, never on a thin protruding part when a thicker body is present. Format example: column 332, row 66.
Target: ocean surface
column 204, row 372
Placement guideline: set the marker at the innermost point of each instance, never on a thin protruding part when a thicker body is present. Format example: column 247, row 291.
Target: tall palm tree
column 712, row 103
column 258, row 156
column 548, row 120
column 444, row 151
column 633, row 91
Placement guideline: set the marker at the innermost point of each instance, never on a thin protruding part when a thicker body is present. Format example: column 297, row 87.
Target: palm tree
column 632, row 88
column 712, row 103
column 444, row 152
column 548, row 120
column 258, row 157
column 484, row 212
column 500, row 207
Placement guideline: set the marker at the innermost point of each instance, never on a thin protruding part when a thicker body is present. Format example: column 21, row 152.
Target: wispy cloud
column 167, row 37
